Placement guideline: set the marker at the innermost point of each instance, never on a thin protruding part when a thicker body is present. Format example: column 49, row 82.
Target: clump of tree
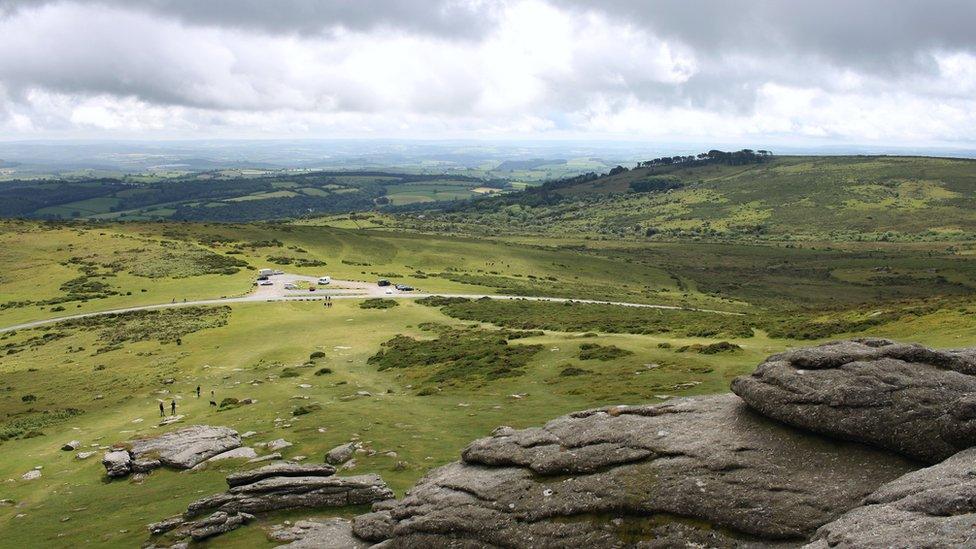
column 654, row 184
column 714, row 156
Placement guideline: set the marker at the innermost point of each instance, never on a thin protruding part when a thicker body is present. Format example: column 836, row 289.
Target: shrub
column 316, row 355
column 290, row 372
column 378, row 303
column 573, row 371
column 230, row 402
column 306, row 409
column 323, row 371
column 592, row 351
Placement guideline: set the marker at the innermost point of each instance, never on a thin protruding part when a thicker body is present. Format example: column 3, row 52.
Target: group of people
column 328, row 301
column 172, row 403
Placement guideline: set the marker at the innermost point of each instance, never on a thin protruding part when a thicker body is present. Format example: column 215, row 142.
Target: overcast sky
column 763, row 72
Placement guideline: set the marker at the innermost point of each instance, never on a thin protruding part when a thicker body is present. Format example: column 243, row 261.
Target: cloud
column 763, row 70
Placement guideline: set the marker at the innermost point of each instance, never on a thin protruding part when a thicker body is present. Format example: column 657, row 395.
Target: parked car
column 266, row 282
column 383, row 282
column 404, row 288
column 325, row 279
column 262, row 277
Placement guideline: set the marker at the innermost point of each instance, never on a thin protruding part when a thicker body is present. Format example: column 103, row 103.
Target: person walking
column 198, row 391
column 172, row 406
column 162, row 411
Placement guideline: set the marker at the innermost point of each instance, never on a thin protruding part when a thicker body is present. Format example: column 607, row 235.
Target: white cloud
column 533, row 68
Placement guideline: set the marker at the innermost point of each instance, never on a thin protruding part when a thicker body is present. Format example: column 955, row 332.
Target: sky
column 762, row 72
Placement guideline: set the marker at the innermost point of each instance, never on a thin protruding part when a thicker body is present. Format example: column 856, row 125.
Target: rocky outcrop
column 280, row 470
column 177, row 528
column 331, row 533
column 732, row 473
column 274, row 487
column 117, row 463
column 931, row 507
column 290, row 492
column 182, row 449
column 909, row 399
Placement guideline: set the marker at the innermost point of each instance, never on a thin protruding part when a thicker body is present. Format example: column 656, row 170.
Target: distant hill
column 808, row 197
column 230, row 195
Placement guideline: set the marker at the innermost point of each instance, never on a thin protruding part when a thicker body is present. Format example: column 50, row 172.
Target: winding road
column 339, row 289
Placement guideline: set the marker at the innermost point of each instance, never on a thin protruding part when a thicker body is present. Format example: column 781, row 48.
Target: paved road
column 339, row 289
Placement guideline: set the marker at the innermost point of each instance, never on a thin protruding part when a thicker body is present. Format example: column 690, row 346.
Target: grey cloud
column 876, row 35
column 451, row 18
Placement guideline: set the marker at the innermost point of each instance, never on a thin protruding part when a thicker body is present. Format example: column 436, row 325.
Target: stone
column 267, row 457
column 291, row 492
column 187, row 447
column 33, row 474
column 117, row 463
column 341, row 454
column 248, row 434
column 931, row 507
column 278, row 444
column 331, row 533
column 243, row 452
column 178, row 529
column 84, row 455
column 909, row 399
column 71, row 446
column 166, row 525
column 719, row 465
column 375, row 526
column 169, row 420
column 217, row 523
column 280, row 470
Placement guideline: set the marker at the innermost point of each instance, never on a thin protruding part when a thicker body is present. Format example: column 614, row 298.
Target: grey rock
column 187, row 447
column 332, row 533
column 71, row 446
column 33, row 474
column 217, row 523
column 710, row 459
column 376, row 526
column 278, row 444
column 84, row 455
column 178, row 529
column 166, row 525
column 341, row 454
column 145, row 465
column 280, row 470
column 931, row 507
column 117, row 463
column 244, row 452
column 906, row 398
column 268, row 457
column 289, row 492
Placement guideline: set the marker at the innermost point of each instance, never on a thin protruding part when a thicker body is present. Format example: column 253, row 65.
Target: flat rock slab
column 575, row 480
column 931, row 507
column 909, row 399
column 332, row 533
column 280, row 470
column 186, row 448
column 290, row 492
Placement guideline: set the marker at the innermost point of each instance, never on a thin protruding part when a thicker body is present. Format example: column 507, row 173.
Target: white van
column 266, row 272
column 290, row 286
column 325, row 279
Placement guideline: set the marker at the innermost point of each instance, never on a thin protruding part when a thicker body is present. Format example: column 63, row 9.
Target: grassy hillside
column 784, row 198
column 439, row 372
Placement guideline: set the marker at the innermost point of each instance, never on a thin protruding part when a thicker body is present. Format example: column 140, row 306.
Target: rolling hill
column 780, row 198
